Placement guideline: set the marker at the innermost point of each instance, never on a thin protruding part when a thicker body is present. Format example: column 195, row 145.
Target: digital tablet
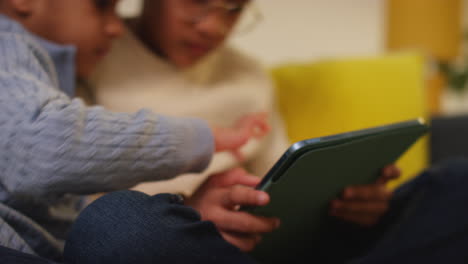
column 313, row 172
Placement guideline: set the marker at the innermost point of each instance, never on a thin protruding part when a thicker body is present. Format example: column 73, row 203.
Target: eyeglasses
column 195, row 11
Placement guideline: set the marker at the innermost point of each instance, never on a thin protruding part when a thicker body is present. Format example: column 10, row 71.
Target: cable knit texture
column 53, row 146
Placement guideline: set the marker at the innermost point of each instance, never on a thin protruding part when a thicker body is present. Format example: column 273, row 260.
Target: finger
column 361, row 208
column 255, row 125
column 371, row 192
column 388, row 173
column 244, row 242
column 261, row 127
column 360, row 219
column 261, row 130
column 245, row 196
column 250, row 119
column 234, row 177
column 242, row 222
column 226, row 139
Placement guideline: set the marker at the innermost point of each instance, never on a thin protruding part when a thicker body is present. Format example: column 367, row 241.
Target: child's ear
column 23, row 7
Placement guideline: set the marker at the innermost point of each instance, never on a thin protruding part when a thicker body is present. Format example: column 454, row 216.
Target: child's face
column 90, row 25
column 184, row 31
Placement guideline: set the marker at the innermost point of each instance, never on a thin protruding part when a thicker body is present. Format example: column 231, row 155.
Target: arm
column 56, row 145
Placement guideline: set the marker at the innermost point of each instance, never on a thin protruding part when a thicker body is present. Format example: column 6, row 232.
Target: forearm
column 60, row 146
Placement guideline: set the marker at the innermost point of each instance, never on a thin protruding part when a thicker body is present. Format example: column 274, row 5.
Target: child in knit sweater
column 55, row 149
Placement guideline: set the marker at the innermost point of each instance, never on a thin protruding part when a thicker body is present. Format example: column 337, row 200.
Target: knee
column 453, row 172
column 127, row 227
column 459, row 163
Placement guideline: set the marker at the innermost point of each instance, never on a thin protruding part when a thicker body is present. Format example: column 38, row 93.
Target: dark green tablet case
column 313, row 172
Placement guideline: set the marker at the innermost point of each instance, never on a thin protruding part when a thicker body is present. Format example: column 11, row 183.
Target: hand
column 231, row 139
column 365, row 204
column 218, row 200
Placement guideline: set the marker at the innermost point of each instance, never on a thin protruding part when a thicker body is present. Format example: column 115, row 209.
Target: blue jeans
column 428, row 220
column 427, row 223
column 10, row 256
column 132, row 227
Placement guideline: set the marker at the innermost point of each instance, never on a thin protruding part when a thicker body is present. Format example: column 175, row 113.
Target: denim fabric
column 132, row 227
column 428, row 221
column 11, row 256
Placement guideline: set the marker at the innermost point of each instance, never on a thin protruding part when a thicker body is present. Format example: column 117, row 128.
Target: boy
column 54, row 147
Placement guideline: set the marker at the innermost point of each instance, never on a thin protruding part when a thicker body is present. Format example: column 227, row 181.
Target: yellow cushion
column 335, row 96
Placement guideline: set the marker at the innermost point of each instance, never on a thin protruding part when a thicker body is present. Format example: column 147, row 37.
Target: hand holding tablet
column 313, row 172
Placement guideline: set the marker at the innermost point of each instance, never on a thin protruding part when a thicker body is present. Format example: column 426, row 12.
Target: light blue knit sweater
column 53, row 147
